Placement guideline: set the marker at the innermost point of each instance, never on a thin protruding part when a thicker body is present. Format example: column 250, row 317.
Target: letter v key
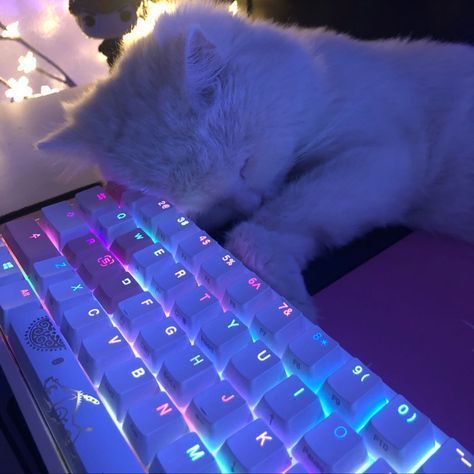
column 115, row 340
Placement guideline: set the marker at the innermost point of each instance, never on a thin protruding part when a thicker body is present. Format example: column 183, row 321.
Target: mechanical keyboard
column 148, row 347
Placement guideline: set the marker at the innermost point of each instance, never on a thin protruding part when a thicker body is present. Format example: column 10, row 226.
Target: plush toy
column 108, row 20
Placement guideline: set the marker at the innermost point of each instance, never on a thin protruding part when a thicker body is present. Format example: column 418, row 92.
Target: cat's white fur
column 313, row 136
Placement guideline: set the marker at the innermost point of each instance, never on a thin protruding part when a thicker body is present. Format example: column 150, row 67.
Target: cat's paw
column 268, row 254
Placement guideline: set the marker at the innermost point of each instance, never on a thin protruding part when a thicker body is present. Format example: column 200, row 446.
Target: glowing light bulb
column 27, row 63
column 45, row 90
column 11, row 31
column 234, row 7
column 19, row 89
column 49, row 20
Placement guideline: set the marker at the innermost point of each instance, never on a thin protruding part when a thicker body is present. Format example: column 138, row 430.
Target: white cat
column 313, row 136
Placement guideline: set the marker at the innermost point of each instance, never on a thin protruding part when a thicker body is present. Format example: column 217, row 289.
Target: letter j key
column 218, row 412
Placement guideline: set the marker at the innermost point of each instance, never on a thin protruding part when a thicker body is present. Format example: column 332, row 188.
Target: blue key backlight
column 400, row 433
column 122, row 335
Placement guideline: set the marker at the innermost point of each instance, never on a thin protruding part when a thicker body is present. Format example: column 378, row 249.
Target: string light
column 46, row 90
column 50, row 19
column 11, row 31
column 19, row 89
column 27, row 63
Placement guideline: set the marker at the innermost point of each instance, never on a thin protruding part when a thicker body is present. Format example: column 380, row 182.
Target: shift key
column 77, row 418
column 28, row 242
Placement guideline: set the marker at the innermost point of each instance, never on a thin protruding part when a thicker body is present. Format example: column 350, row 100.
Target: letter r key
column 262, row 438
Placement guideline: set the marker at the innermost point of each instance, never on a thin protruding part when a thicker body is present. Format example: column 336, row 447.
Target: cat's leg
column 327, row 207
column 278, row 256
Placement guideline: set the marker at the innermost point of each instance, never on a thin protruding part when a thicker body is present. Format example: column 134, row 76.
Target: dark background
column 444, row 20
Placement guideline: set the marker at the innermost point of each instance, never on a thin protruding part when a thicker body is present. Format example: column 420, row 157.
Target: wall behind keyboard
column 443, row 20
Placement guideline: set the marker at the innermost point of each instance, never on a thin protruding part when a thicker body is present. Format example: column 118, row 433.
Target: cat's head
column 170, row 119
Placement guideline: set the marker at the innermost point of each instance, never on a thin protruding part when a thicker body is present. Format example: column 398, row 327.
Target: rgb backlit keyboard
column 148, row 347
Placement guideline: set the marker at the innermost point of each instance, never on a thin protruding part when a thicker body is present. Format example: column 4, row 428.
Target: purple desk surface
column 408, row 313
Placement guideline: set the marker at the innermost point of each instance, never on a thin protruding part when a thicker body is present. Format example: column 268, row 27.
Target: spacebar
column 83, row 430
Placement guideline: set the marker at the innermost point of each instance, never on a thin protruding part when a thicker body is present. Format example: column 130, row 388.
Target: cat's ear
column 67, row 142
column 202, row 66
